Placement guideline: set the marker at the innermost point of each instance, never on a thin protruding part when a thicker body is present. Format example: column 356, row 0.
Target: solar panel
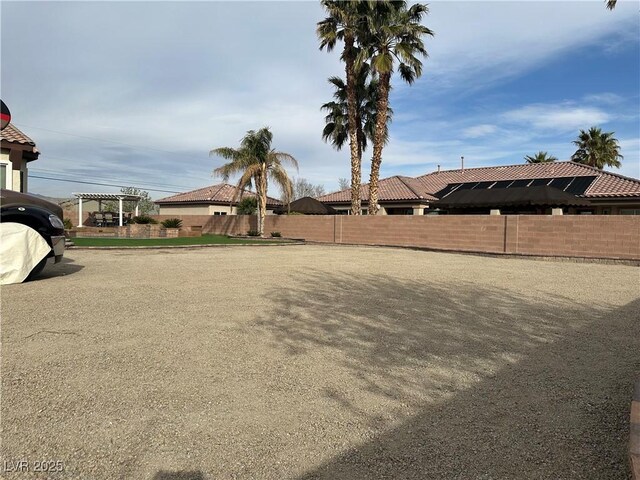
column 447, row 190
column 579, row 185
column 483, row 185
column 502, row 184
column 561, row 183
column 520, row 183
column 539, row 182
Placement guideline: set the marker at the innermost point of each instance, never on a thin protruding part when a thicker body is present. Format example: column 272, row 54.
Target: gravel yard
column 301, row 362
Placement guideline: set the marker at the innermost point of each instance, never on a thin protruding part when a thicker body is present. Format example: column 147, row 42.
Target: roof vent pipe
column 438, row 168
column 462, row 163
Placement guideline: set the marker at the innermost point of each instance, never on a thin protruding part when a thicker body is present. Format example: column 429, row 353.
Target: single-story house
column 397, row 195
column 17, row 150
column 571, row 187
column 305, row 206
column 213, row 200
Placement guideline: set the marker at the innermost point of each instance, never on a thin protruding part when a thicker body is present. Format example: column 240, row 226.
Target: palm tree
column 393, row 34
column 540, row 157
column 597, row 149
column 336, row 120
column 342, row 24
column 256, row 162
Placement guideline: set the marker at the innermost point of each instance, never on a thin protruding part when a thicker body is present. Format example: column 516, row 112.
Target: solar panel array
column 574, row 185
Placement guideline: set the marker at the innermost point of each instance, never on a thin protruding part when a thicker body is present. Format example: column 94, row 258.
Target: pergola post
column 120, row 208
column 137, row 204
column 79, row 211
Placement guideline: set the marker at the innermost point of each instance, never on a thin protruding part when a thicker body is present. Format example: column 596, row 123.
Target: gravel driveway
column 318, row 362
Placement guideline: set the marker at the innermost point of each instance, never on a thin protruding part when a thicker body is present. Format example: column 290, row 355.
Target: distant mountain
column 58, row 201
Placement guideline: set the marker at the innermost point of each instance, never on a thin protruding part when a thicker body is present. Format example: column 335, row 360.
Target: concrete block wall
column 590, row 236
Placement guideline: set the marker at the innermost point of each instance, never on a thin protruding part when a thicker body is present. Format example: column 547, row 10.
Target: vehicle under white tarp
column 21, row 249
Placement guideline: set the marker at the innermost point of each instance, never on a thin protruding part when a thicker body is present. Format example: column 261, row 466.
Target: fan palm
column 540, row 157
column 256, row 162
column 393, row 34
column 342, row 24
column 597, row 149
column 336, row 120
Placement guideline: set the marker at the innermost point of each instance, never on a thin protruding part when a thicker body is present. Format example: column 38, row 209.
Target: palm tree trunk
column 263, row 199
column 378, row 141
column 352, row 111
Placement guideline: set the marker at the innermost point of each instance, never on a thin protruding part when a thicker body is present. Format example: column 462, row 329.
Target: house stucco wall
column 4, row 160
column 177, row 210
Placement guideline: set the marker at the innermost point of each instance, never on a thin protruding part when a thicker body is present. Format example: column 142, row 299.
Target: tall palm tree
column 342, row 24
column 393, row 34
column 597, row 149
column 540, row 157
column 256, row 162
column 336, row 120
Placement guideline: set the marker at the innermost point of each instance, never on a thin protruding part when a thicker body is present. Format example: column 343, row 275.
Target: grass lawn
column 151, row 242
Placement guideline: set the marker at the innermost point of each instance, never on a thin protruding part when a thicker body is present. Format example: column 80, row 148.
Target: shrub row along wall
column 591, row 236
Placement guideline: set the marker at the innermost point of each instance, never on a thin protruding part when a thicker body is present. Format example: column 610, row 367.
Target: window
column 219, row 213
column 3, row 176
column 630, row 211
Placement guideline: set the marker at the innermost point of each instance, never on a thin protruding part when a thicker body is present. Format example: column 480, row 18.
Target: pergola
column 121, row 197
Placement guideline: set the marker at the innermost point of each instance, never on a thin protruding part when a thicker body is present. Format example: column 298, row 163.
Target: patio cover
column 506, row 197
column 307, row 206
column 121, row 197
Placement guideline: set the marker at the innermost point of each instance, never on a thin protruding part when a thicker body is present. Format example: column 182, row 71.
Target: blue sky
column 137, row 93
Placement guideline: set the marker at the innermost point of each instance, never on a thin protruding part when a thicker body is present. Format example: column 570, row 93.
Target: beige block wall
column 585, row 236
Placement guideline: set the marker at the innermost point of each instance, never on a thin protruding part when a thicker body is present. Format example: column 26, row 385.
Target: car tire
column 37, row 269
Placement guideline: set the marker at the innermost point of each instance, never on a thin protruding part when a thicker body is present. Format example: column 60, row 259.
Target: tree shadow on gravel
column 550, row 387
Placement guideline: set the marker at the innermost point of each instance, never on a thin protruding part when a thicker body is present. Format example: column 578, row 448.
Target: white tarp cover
column 21, row 249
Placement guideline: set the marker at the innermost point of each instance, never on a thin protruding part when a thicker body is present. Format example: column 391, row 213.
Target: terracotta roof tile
column 397, row 188
column 216, row 194
column 401, row 188
column 14, row 135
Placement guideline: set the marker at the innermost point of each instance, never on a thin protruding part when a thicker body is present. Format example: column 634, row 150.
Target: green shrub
column 253, row 233
column 276, row 234
column 172, row 223
column 67, row 224
column 143, row 220
column 248, row 206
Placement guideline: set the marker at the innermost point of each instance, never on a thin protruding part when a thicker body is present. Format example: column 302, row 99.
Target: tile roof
column 606, row 185
column 14, row 135
column 216, row 194
column 397, row 188
column 400, row 188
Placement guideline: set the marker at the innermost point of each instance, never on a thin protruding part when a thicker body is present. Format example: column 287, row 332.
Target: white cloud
column 605, row 98
column 478, row 131
column 565, row 117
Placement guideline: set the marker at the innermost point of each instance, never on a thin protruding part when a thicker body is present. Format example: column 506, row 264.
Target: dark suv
column 43, row 216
